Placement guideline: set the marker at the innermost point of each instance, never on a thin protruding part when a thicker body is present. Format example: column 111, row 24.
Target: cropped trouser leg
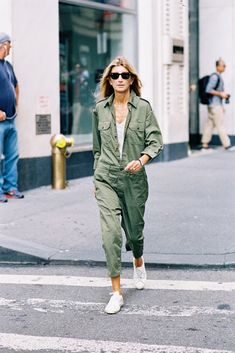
column 121, row 205
column 133, row 208
column 110, row 211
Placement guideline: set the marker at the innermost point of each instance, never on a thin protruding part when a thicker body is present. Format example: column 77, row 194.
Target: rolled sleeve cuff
column 152, row 152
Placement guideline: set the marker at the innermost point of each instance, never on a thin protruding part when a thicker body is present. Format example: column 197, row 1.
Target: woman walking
column 126, row 136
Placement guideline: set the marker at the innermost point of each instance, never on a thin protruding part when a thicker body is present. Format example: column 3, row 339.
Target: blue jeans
column 8, row 156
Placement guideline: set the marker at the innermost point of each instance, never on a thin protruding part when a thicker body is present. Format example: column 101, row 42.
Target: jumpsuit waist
column 113, row 168
column 114, row 174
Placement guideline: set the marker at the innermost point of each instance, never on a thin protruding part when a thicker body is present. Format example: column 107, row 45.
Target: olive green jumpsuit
column 121, row 195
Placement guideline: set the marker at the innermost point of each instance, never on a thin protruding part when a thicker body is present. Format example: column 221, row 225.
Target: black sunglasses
column 124, row 75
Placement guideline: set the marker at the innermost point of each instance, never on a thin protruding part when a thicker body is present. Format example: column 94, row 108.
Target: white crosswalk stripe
column 61, row 344
column 126, row 283
column 60, row 306
column 34, row 343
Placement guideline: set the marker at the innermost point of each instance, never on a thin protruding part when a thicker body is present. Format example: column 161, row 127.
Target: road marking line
column 61, row 306
column 105, row 282
column 75, row 345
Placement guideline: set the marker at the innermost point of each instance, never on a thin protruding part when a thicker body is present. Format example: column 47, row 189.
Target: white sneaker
column 115, row 303
column 140, row 275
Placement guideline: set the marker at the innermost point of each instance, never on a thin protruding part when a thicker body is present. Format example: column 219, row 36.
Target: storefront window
column 89, row 40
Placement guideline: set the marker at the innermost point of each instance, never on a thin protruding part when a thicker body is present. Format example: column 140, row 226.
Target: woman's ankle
column 116, row 284
column 205, row 145
column 139, row 262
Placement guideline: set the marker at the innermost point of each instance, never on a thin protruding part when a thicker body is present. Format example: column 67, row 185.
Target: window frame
column 96, row 5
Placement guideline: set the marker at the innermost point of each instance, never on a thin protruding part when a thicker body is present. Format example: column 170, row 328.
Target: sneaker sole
column 140, row 287
column 115, row 312
column 13, row 197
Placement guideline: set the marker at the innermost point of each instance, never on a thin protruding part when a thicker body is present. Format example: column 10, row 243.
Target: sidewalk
column 190, row 218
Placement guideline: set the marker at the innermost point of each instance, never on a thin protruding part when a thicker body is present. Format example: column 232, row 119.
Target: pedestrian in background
column 215, row 88
column 9, row 94
column 126, row 136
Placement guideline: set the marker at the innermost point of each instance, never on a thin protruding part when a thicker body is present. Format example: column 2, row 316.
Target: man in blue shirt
column 215, row 88
column 9, row 92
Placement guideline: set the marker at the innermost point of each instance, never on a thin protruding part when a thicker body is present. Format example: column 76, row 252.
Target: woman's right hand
column 134, row 166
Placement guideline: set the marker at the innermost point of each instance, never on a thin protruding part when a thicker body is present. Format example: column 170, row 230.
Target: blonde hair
column 106, row 88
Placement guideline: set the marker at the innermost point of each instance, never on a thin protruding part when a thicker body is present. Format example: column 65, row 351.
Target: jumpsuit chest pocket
column 104, row 128
column 136, row 131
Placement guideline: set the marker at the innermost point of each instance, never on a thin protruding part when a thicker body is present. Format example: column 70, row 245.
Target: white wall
column 145, row 48
column 5, row 16
column 5, row 19
column 165, row 83
column 35, row 31
column 217, row 31
column 175, row 75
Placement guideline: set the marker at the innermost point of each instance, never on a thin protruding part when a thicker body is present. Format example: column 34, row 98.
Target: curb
column 16, row 251
column 149, row 265
column 20, row 252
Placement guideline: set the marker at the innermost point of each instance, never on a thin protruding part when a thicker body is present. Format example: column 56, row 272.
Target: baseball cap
column 4, row 37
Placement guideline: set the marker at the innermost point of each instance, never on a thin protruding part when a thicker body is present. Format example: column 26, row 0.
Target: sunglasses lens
column 114, row 76
column 124, row 75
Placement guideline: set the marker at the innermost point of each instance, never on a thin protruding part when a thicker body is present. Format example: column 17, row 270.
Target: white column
column 158, row 44
column 145, row 47
column 129, row 38
column 5, row 16
column 35, row 33
column 172, row 76
column 165, row 81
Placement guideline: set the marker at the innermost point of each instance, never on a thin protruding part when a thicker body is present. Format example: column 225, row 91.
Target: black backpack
column 202, row 83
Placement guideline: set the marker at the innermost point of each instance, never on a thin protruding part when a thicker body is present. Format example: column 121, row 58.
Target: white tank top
column 120, row 135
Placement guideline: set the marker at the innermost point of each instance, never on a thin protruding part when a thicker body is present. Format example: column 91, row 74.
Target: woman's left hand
column 134, row 166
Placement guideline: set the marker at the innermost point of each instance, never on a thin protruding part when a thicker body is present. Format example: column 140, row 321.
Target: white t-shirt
column 120, row 135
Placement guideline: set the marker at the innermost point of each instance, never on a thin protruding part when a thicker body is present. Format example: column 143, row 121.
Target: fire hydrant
column 59, row 143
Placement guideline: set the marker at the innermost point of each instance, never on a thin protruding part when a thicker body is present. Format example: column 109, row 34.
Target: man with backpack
column 213, row 97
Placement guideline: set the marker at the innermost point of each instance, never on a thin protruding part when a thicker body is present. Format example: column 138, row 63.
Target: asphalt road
column 60, row 309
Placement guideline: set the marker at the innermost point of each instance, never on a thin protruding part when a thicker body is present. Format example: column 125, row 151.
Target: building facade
column 60, row 49
column 216, row 41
